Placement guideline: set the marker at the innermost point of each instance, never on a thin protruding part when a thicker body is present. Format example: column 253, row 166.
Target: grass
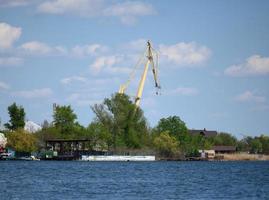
column 245, row 156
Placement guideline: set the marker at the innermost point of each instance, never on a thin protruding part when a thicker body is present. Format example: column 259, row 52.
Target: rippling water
column 133, row 180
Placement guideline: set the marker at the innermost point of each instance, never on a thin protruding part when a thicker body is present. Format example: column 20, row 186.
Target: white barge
column 117, row 158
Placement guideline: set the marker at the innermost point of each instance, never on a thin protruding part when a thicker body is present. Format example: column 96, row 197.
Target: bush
column 22, row 141
column 166, row 145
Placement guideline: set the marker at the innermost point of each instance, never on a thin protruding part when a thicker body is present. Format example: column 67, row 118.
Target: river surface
column 133, row 180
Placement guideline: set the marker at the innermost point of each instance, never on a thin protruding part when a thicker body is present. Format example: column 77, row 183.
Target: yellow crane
column 151, row 56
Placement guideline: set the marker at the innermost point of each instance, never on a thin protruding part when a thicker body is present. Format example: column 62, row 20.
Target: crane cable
column 155, row 72
column 132, row 74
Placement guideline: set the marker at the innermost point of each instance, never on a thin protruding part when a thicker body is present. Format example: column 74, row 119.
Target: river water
column 133, row 180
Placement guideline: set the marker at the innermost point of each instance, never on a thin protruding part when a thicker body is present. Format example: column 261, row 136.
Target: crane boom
column 151, row 55
column 141, row 84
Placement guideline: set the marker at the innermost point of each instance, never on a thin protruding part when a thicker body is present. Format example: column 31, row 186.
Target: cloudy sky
column 214, row 59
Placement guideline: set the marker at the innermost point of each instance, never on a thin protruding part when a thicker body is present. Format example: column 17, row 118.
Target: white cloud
column 14, row 3
column 36, row 93
column 68, row 80
column 127, row 12
column 4, row 86
column 88, row 50
column 104, row 62
column 76, row 7
column 40, row 48
column 249, row 97
column 8, row 35
column 125, row 56
column 183, row 91
column 254, row 65
column 10, row 61
column 185, row 53
column 82, row 99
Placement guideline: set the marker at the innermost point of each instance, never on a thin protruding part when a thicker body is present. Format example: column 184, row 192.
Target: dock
column 116, row 158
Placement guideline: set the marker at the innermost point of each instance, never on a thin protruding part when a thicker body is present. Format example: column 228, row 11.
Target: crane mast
column 150, row 60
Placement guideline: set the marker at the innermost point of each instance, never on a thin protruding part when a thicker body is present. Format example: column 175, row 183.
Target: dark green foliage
column 64, row 119
column 225, row 139
column 123, row 120
column 100, row 137
column 254, row 144
column 244, row 144
column 174, row 125
column 45, row 124
column 195, row 143
column 121, row 126
column 176, row 128
column 17, row 117
column 265, row 143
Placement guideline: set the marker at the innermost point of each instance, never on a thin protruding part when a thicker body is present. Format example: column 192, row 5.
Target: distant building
column 220, row 149
column 208, row 154
column 203, row 132
column 224, row 149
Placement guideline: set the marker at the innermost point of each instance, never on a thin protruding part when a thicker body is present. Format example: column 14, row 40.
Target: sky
column 213, row 59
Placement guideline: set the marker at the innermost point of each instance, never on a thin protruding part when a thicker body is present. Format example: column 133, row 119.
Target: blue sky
column 214, row 59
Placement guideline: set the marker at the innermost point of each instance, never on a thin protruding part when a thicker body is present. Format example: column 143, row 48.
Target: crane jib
column 151, row 56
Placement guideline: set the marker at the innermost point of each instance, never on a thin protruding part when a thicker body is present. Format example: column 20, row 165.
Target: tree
column 22, row 141
column 64, row 119
column 17, row 117
column 255, row 146
column 166, row 145
column 196, row 143
column 175, row 127
column 99, row 136
column 123, row 120
column 265, row 143
column 45, row 124
column 225, row 139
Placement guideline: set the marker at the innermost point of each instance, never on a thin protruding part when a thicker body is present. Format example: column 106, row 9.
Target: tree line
column 119, row 125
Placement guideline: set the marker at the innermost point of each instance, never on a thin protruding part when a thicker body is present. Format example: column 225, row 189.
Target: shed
column 224, row 149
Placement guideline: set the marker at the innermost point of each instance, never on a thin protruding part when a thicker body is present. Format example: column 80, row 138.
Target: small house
column 224, row 149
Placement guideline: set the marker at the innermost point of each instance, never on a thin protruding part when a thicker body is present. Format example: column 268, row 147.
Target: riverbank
column 244, row 157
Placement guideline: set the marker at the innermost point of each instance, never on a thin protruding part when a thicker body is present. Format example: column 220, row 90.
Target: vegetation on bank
column 120, row 125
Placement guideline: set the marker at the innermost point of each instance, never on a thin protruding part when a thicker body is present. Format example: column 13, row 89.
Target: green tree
column 265, row 143
column 255, row 146
column 45, row 124
column 64, row 119
column 174, row 125
column 176, row 128
column 123, row 120
column 17, row 117
column 166, row 145
column 196, row 143
column 22, row 141
column 100, row 137
column 225, row 139
column 242, row 145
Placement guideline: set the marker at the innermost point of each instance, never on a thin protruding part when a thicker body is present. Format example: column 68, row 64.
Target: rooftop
column 203, row 132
